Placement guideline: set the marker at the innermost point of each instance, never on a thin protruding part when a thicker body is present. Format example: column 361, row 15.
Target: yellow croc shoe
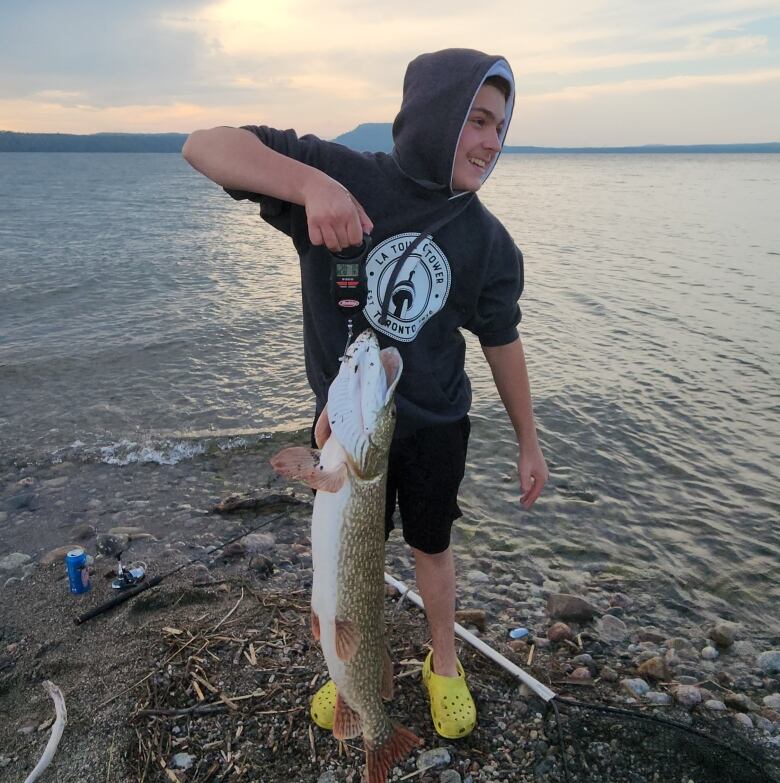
column 323, row 705
column 453, row 710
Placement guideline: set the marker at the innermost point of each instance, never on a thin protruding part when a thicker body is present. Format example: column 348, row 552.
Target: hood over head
column 439, row 89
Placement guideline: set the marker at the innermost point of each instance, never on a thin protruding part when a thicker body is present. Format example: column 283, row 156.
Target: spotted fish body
column 348, row 545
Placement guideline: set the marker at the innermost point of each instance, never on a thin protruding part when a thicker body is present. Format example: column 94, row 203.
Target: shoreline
column 171, row 513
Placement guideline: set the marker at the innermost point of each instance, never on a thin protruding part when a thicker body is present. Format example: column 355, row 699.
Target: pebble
column 477, row 576
column 565, row 606
column 327, row 777
column 584, row 660
column 651, row 634
column 687, row 695
column 611, row 629
column 582, row 673
column 709, row 653
column 768, row 662
column 621, row 600
column 658, row 698
column 28, row 729
column 723, row 633
column 182, row 761
column 772, row 701
column 609, row 675
column 714, row 705
column 55, row 555
column 685, row 679
column 559, row 632
column 743, row 719
column 433, row 759
column 740, row 702
column 743, row 648
column 655, row 669
column 450, row 776
column 13, row 561
column 636, row 687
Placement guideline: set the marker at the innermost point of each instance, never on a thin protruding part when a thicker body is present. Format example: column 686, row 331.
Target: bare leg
column 436, row 583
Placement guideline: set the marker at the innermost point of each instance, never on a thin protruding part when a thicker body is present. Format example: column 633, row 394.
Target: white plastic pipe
column 540, row 690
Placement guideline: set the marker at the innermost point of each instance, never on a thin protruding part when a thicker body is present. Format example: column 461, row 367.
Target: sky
column 588, row 72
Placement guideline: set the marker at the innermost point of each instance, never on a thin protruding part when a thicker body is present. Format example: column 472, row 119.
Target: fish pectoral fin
column 380, row 759
column 346, row 722
column 315, row 625
column 387, row 676
column 304, row 464
column 347, row 639
column 322, row 429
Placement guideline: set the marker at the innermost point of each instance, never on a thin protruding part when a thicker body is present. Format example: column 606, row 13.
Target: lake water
column 143, row 313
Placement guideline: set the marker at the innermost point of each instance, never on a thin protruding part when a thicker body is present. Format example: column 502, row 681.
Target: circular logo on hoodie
column 418, row 292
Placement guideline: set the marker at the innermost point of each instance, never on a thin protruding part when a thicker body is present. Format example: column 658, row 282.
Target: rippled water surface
column 140, row 305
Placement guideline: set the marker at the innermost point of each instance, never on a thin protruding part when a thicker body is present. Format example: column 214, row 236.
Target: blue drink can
column 78, row 574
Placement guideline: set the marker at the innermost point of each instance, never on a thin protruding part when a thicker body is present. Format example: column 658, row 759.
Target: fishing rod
column 135, row 591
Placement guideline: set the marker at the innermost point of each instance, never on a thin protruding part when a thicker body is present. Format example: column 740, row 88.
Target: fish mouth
column 362, row 394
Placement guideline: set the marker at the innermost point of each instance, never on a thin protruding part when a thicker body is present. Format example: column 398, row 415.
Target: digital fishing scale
column 348, row 281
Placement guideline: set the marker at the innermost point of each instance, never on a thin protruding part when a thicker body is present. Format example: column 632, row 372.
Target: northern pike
column 349, row 472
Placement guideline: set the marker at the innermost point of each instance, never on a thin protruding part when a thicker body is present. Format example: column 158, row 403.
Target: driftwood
column 266, row 503
column 56, row 732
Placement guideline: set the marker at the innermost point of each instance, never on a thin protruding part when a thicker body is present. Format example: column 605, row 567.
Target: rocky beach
column 207, row 677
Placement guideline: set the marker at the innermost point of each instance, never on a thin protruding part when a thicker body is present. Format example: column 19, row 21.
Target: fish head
column 361, row 406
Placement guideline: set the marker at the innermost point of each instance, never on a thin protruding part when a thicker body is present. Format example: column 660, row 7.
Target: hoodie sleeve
column 306, row 149
column 498, row 313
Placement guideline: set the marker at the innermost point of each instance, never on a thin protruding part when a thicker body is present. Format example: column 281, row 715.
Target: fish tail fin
column 381, row 759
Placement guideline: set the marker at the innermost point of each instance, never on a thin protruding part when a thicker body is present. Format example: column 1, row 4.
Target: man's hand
column 533, row 473
column 335, row 217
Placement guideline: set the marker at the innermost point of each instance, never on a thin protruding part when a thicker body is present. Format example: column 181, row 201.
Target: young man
column 463, row 271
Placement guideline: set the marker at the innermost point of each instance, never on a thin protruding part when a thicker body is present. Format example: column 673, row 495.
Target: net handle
column 542, row 691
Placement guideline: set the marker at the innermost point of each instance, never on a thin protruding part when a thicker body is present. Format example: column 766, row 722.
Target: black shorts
column 424, row 474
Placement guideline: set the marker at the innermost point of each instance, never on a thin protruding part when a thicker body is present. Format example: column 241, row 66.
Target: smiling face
column 480, row 140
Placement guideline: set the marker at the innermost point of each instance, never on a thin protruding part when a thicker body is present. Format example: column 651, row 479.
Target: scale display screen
column 347, row 269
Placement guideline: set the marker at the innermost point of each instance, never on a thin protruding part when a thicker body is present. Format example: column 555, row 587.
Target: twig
column 230, row 612
column 56, row 732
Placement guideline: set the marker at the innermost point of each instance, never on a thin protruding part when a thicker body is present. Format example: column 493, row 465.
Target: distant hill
column 10, row 141
column 370, row 137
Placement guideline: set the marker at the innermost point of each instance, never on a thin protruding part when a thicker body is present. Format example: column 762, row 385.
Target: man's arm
column 507, row 363
column 236, row 159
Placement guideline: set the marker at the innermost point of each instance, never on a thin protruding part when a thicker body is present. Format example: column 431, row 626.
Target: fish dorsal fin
column 346, row 722
column 304, row 464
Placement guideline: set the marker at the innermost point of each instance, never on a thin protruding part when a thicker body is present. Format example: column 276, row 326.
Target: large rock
column 654, row 669
column 611, row 629
column 772, row 701
column 636, row 687
column 559, row 632
column 723, row 633
column 13, row 561
column 688, row 695
column 564, row 606
column 740, row 702
column 768, row 662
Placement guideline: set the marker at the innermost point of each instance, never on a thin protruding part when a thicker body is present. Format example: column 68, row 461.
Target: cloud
column 638, row 86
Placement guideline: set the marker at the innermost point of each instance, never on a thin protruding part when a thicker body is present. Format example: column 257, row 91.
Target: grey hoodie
column 468, row 275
